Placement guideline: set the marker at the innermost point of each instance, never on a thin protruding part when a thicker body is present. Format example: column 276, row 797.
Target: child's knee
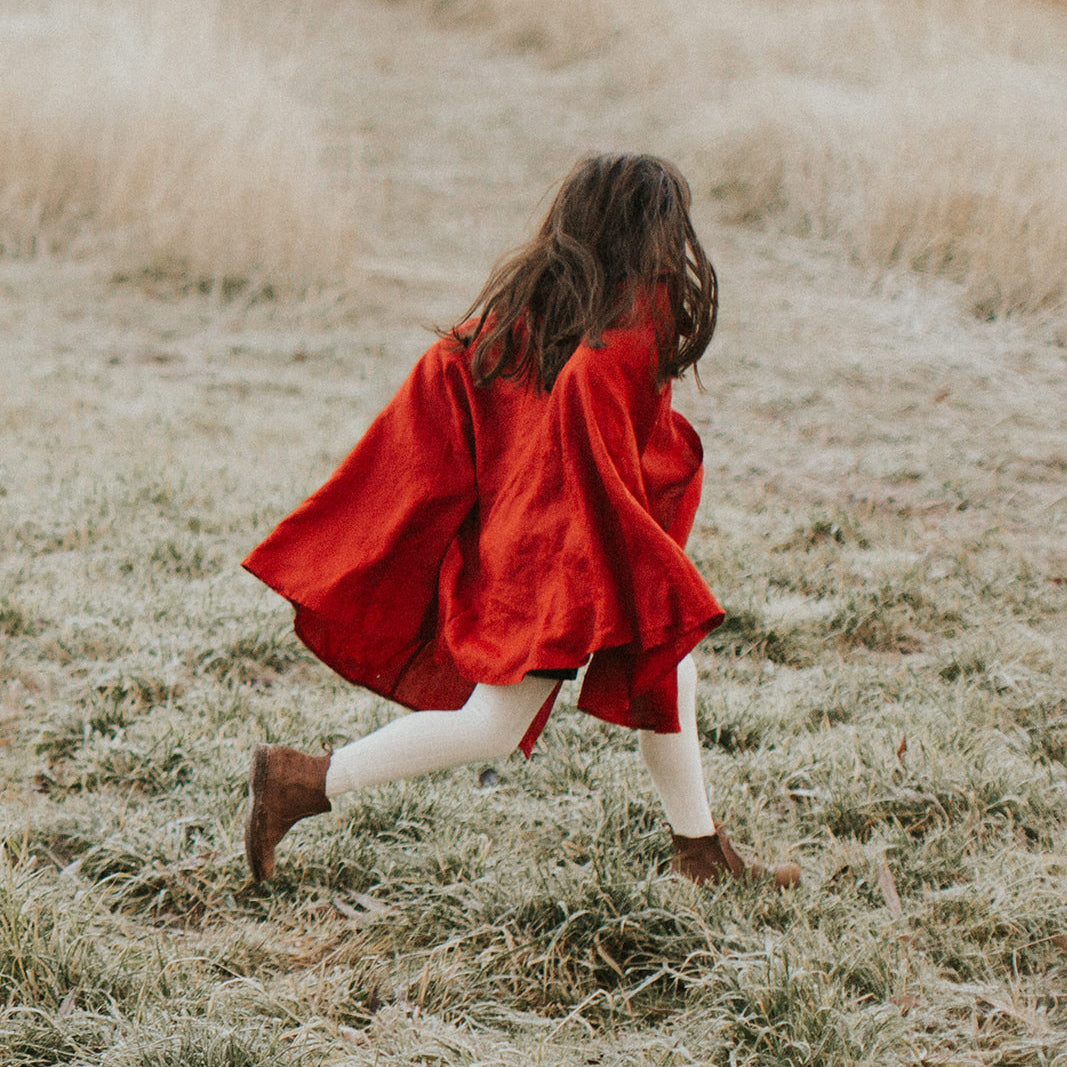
column 504, row 714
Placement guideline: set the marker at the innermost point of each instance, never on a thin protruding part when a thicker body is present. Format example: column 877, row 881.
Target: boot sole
column 261, row 868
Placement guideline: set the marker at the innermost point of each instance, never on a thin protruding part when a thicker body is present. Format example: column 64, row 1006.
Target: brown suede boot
column 712, row 858
column 286, row 786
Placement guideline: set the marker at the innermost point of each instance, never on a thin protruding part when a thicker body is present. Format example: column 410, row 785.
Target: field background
column 224, row 229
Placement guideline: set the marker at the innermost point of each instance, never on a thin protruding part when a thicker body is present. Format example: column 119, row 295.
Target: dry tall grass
column 883, row 518
column 930, row 136
column 159, row 131
column 922, row 134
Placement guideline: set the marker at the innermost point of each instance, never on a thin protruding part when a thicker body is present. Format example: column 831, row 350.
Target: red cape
column 477, row 533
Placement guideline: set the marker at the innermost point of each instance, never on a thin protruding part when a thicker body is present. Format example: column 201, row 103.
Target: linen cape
column 476, row 533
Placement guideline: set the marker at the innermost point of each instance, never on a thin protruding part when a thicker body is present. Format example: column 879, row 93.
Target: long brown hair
column 619, row 225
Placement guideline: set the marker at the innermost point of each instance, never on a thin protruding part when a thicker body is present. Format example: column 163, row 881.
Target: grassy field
column 220, row 251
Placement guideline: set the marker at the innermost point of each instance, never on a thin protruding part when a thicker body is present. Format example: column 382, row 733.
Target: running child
column 518, row 511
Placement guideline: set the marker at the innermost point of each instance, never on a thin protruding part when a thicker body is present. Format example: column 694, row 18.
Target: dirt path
column 458, row 143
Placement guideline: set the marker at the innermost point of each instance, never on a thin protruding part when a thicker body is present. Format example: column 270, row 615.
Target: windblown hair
column 618, row 227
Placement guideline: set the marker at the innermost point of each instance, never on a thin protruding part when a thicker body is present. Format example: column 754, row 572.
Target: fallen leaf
column 372, row 908
column 347, row 910
column 889, row 888
column 902, row 748
column 905, row 1001
column 67, row 1006
column 607, row 958
column 365, row 900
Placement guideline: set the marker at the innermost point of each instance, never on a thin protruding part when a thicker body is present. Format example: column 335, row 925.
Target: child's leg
column 287, row 785
column 673, row 760
column 489, row 726
column 702, row 850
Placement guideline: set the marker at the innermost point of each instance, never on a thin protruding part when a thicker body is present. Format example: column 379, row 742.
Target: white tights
column 673, row 760
column 490, row 726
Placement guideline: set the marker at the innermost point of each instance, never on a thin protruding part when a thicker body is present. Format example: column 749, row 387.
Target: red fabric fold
column 477, row 533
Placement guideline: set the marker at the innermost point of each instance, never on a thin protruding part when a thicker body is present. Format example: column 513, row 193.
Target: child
column 519, row 509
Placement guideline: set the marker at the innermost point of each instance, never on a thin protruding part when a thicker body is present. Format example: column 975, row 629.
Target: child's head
column 618, row 226
column 627, row 214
